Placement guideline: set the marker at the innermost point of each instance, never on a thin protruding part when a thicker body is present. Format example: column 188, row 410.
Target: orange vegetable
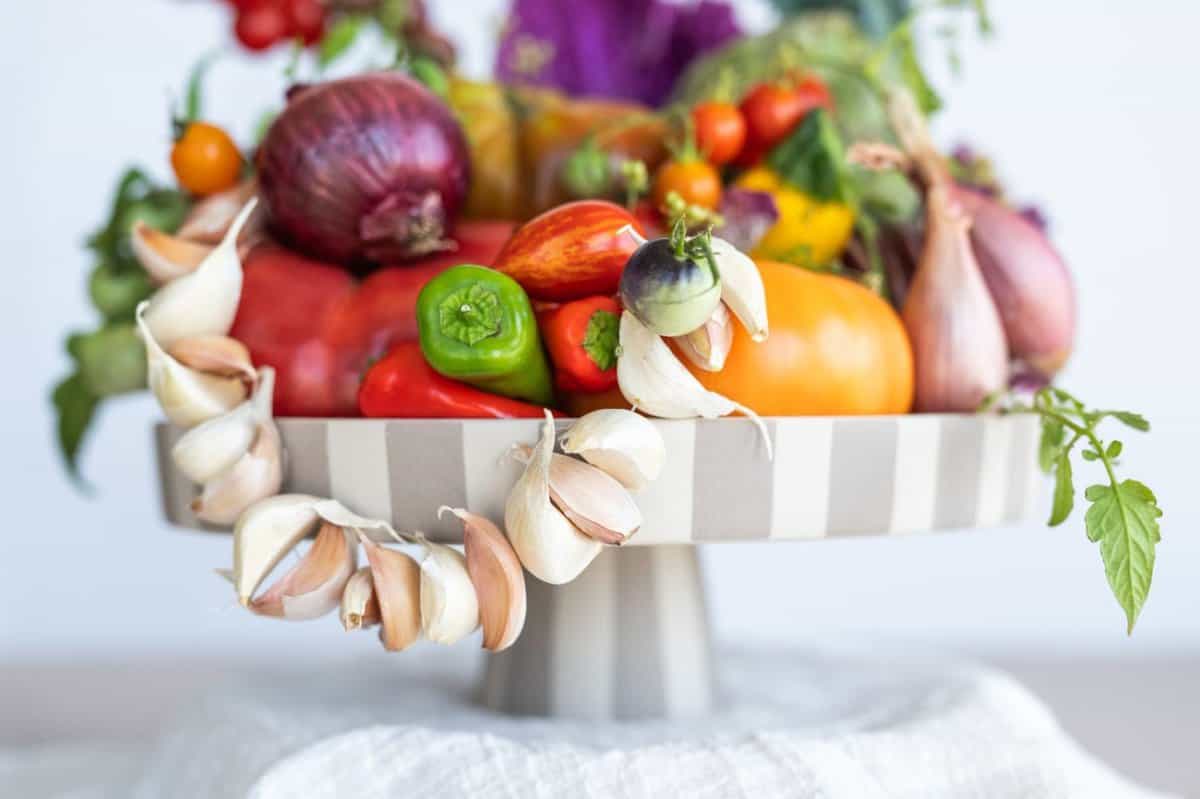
column 205, row 159
column 696, row 182
column 834, row 348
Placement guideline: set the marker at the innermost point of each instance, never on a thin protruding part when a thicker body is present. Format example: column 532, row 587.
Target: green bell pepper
column 477, row 326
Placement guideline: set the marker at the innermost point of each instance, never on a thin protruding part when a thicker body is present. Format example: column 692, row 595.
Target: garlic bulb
column 256, row 475
column 624, row 444
column 449, row 606
column 163, row 256
column 360, row 606
column 186, row 396
column 203, row 302
column 396, row 580
column 264, row 533
column 708, row 346
column 741, row 288
column 314, row 586
column 499, row 580
column 552, row 548
column 215, row 355
column 215, row 445
column 653, row 381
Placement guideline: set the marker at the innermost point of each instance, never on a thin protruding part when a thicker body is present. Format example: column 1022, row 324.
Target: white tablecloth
column 798, row 724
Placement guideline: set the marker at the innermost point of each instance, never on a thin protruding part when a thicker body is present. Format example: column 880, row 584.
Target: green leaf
column 1114, row 450
column 1064, row 490
column 1130, row 419
column 1090, row 455
column 339, row 39
column 194, row 99
column 600, row 340
column 813, row 160
column 1053, row 435
column 75, row 405
column 1124, row 521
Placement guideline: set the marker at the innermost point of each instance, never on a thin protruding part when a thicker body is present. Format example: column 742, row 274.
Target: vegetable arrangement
column 755, row 225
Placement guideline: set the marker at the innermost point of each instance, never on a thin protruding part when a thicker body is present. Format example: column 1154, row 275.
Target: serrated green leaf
column 1050, row 443
column 1124, row 521
column 1064, row 490
column 339, row 39
column 75, row 405
column 1114, row 450
column 1130, row 419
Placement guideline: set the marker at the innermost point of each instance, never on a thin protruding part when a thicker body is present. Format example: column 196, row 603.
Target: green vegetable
column 601, row 339
column 430, row 73
column 1123, row 514
column 111, row 360
column 116, row 294
column 813, row 160
column 75, row 406
column 477, row 325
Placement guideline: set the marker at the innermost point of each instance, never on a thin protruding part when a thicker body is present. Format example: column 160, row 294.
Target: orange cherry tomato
column 720, row 131
column 835, row 348
column 697, row 182
column 205, row 159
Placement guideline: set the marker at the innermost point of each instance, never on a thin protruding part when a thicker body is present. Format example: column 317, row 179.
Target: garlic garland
column 256, row 475
column 314, row 586
column 264, row 533
column 215, row 355
column 593, row 500
column 499, row 580
column 449, row 606
column 396, row 581
column 202, row 302
column 624, row 444
column 216, row 444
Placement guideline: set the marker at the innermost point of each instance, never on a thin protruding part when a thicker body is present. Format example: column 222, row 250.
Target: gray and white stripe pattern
column 831, row 476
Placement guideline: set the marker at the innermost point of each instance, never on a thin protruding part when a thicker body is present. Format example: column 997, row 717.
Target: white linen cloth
column 795, row 724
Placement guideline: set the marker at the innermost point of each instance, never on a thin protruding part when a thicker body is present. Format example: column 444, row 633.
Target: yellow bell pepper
column 806, row 177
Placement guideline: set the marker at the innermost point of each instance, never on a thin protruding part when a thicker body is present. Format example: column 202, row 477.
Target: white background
column 1088, row 107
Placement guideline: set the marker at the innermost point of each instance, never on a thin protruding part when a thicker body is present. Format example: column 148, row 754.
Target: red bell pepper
column 582, row 339
column 403, row 385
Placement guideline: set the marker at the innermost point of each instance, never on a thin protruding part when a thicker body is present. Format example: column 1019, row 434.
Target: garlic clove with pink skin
column 266, row 532
column 212, row 447
column 255, row 476
column 708, row 346
column 314, row 586
column 495, row 571
column 221, row 356
column 624, row 444
column 360, row 606
column 396, row 580
column 594, row 501
column 209, row 219
column 203, row 302
column 163, row 256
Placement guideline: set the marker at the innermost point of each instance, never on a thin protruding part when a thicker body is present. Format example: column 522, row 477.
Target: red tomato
column 771, row 111
column 305, row 20
column 260, row 26
column 720, row 131
column 571, row 251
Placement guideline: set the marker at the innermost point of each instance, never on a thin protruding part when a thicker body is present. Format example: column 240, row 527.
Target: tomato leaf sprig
column 1122, row 515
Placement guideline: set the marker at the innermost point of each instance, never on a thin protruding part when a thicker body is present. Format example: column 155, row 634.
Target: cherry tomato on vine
column 696, row 182
column 205, row 159
column 720, row 131
column 306, row 20
column 261, row 25
column 771, row 111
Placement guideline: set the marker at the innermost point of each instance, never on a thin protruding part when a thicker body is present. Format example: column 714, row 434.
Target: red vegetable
column 403, row 385
column 571, row 251
column 581, row 337
column 720, row 131
column 369, row 168
column 771, row 110
column 259, row 26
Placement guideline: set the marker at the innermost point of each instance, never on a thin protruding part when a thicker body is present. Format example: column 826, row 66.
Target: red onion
column 1028, row 280
column 368, row 168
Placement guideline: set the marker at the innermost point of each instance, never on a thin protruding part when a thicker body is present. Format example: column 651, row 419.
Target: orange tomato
column 834, row 348
column 205, row 159
column 720, row 131
column 697, row 182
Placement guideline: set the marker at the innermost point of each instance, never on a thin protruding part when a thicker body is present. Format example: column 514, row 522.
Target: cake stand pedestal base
column 628, row 639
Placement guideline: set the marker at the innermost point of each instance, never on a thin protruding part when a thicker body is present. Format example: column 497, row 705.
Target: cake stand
column 630, row 637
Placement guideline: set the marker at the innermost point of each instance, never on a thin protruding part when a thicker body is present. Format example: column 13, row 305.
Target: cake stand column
column 628, row 639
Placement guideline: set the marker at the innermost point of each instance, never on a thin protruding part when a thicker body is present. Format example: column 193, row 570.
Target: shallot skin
column 959, row 349
column 370, row 168
column 1028, row 281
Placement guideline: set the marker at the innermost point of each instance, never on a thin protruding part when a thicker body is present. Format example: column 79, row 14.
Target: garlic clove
column 264, row 533
column 741, row 289
column 360, row 606
column 209, row 219
column 550, row 547
column 215, row 355
column 163, row 256
column 396, row 579
column 495, row 571
column 591, row 499
column 624, row 444
column 708, row 346
column 654, row 381
column 314, row 586
column 204, row 302
column 214, row 446
column 449, row 605
column 335, row 512
column 256, row 475
column 186, row 396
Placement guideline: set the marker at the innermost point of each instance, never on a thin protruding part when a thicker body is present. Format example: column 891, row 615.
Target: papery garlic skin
column 742, row 288
column 708, row 346
column 495, row 571
column 220, row 356
column 449, row 606
column 256, row 475
column 654, row 381
column 550, row 547
column 360, row 607
column 209, row 219
column 624, row 444
column 592, row 500
column 214, row 446
column 314, row 586
column 187, row 397
column 203, row 302
column 163, row 256
column 397, row 582
column 264, row 533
